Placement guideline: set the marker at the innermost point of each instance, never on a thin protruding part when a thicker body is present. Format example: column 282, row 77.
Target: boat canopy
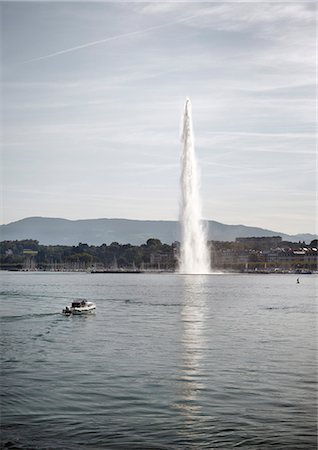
column 79, row 303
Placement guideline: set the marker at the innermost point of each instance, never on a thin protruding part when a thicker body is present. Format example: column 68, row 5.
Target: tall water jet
column 194, row 251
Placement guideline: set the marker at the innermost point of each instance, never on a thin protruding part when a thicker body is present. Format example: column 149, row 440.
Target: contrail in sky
column 102, row 41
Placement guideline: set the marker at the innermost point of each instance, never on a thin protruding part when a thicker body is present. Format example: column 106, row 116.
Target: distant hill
column 51, row 231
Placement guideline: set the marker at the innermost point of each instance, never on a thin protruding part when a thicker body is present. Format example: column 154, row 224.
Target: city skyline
column 93, row 98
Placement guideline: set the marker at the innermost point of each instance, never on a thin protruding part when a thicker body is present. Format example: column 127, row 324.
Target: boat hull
column 83, row 311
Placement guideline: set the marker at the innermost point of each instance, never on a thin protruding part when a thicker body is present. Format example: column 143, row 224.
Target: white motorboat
column 80, row 307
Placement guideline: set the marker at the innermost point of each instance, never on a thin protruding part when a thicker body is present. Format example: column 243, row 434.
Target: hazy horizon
column 93, row 98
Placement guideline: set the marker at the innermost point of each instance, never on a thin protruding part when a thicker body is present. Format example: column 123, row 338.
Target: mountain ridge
column 54, row 231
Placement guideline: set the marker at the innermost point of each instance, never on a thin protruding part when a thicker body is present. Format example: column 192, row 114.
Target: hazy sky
column 92, row 101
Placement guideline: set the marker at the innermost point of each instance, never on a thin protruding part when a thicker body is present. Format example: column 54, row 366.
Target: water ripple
column 161, row 365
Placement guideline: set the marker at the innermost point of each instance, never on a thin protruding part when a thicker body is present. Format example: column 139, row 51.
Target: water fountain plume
column 194, row 251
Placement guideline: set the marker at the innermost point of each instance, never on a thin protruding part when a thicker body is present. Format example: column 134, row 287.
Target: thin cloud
column 108, row 39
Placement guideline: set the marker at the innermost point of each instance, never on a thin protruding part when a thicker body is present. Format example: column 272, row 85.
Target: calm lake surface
column 166, row 362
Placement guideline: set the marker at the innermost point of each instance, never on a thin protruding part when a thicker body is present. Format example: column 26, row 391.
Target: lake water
column 166, row 362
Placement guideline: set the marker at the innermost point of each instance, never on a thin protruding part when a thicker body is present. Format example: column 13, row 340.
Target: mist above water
column 194, row 251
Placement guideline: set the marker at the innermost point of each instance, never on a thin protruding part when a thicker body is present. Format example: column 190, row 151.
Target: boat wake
column 27, row 316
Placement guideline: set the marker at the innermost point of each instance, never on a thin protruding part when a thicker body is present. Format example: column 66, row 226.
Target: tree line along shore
column 262, row 254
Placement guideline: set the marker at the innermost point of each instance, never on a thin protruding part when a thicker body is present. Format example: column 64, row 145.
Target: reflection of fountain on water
column 193, row 347
column 194, row 252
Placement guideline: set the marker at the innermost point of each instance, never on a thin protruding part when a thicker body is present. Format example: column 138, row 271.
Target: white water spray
column 194, row 252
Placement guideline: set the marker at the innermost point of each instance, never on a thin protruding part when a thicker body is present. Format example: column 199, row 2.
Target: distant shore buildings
column 266, row 254
column 251, row 254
